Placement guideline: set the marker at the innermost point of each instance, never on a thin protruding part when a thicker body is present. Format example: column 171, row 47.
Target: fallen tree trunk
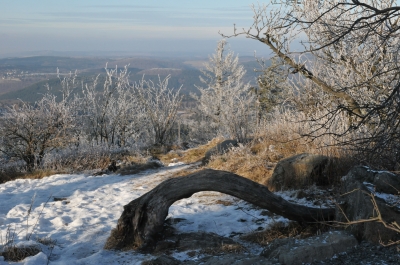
column 143, row 218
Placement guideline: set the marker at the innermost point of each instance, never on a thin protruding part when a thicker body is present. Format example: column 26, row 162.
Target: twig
column 394, row 226
column 29, row 212
column 37, row 220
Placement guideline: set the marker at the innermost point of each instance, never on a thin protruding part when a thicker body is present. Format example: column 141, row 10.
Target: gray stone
column 162, row 260
column 189, row 241
column 220, row 148
column 192, row 241
column 355, row 204
column 269, row 251
column 384, row 181
column 299, row 171
column 235, row 260
column 316, row 248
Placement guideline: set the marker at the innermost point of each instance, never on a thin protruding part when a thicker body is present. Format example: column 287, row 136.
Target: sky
column 151, row 27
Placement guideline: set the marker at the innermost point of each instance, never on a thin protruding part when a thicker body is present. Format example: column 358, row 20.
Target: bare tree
column 28, row 131
column 349, row 61
column 111, row 116
column 368, row 18
column 160, row 105
column 226, row 99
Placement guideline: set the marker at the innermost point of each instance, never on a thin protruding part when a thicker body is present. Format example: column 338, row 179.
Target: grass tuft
column 37, row 174
column 14, row 253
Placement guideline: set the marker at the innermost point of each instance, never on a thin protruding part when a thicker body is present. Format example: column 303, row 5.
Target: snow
column 378, row 171
column 291, row 196
column 80, row 224
column 38, row 259
column 391, row 199
column 175, row 164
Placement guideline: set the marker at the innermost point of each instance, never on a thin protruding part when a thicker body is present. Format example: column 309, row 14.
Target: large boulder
column 356, row 204
column 220, row 148
column 300, row 171
column 317, row 248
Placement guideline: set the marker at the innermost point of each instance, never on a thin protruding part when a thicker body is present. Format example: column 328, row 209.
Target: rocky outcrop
column 300, row 251
column 193, row 241
column 356, row 204
column 383, row 181
column 289, row 251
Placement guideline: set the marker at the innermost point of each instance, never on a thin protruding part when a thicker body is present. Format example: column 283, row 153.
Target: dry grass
column 185, row 172
column 13, row 175
column 277, row 140
column 11, row 252
column 81, row 162
column 279, row 230
column 47, row 241
column 257, row 159
column 14, row 253
column 137, row 159
column 190, row 155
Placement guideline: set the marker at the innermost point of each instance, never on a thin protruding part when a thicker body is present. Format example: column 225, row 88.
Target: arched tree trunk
column 143, row 218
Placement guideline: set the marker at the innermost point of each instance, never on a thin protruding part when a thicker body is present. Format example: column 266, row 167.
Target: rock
column 355, row 204
column 165, row 246
column 269, row 251
column 113, row 166
column 192, row 241
column 292, row 251
column 220, row 148
column 137, row 168
column 384, row 181
column 162, row 260
column 235, row 259
column 202, row 240
column 300, row 171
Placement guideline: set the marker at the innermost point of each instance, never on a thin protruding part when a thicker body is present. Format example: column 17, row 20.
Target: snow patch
column 82, row 222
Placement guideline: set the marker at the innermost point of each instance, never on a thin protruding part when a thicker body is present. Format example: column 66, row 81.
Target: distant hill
column 182, row 73
column 49, row 64
column 187, row 79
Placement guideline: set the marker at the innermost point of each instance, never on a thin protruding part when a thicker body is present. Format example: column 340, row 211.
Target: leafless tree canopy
column 368, row 17
column 348, row 67
column 115, row 117
column 160, row 105
column 30, row 131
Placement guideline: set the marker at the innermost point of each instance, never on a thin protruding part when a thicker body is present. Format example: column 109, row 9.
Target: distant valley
column 26, row 78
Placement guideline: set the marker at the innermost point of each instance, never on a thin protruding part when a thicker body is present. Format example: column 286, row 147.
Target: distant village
column 18, row 75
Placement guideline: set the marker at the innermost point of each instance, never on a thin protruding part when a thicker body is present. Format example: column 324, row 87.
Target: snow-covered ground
column 81, row 223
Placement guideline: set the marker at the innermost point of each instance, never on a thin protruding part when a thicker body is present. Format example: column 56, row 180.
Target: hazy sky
column 147, row 27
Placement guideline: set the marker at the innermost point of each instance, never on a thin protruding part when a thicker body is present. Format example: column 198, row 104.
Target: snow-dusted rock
column 356, row 204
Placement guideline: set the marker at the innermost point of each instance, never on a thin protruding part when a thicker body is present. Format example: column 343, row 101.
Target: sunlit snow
column 81, row 223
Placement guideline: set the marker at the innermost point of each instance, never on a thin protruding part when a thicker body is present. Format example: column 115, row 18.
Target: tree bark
column 143, row 218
